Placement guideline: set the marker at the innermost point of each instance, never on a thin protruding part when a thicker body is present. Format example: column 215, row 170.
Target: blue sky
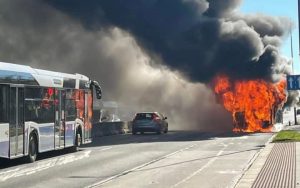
column 287, row 8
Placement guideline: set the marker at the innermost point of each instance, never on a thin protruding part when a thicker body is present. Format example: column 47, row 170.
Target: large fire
column 253, row 103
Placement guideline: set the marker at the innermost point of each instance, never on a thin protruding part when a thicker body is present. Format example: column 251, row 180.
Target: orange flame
column 80, row 105
column 253, row 103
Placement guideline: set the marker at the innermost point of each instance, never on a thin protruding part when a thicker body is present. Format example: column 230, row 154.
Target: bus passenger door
column 88, row 117
column 59, row 128
column 16, row 122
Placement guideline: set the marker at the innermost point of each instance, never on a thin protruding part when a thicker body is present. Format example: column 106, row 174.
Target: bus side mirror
column 98, row 89
column 98, row 93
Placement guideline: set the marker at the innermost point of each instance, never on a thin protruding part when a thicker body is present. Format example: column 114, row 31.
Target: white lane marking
column 242, row 138
column 203, row 167
column 138, row 167
column 229, row 172
column 245, row 137
column 102, row 149
column 43, row 165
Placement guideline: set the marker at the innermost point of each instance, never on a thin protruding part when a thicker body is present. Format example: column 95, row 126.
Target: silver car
column 149, row 122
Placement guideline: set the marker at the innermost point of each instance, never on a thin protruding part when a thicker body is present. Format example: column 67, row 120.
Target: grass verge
column 287, row 136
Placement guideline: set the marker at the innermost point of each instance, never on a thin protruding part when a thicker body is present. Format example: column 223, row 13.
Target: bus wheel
column 77, row 142
column 32, row 150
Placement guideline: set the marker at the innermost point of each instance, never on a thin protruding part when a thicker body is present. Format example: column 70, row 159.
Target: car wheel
column 166, row 131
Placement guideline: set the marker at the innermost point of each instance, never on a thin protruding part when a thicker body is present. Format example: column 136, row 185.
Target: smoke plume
column 148, row 54
column 198, row 38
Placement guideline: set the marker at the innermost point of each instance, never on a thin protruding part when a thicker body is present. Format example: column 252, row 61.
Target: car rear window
column 143, row 116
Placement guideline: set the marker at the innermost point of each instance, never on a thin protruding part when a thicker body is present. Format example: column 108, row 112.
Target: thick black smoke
column 132, row 46
column 34, row 33
column 198, row 38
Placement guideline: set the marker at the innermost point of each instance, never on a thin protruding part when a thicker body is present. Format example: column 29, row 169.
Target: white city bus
column 43, row 110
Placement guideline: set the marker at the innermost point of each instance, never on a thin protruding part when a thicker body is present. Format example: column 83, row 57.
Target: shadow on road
column 171, row 136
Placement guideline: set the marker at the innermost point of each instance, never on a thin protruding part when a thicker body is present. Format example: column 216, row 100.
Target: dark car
column 149, row 122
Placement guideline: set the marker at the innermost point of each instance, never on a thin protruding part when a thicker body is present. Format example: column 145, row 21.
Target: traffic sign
column 293, row 82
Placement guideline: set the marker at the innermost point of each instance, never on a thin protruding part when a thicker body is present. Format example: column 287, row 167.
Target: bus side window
column 39, row 108
column 70, row 109
column 4, row 104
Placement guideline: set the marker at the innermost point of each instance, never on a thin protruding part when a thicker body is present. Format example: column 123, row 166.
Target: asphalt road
column 177, row 159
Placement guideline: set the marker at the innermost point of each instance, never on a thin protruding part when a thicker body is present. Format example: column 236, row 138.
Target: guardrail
column 110, row 128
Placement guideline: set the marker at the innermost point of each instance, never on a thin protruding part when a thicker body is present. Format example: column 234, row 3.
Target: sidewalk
column 277, row 165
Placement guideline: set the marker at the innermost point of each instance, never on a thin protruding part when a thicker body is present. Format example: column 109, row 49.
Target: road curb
column 255, row 165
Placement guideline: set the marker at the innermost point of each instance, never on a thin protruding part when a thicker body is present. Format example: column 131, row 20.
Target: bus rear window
column 143, row 116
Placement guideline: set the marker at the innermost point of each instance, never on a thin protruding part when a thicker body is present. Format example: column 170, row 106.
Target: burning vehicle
column 253, row 103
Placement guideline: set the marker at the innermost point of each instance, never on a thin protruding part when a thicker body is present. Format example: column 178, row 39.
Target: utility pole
column 299, row 23
column 292, row 54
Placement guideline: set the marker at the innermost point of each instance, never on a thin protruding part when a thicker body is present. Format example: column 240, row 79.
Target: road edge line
column 102, row 182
